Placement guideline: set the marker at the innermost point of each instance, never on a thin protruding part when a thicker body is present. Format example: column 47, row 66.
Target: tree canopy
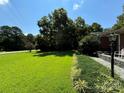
column 12, row 38
column 120, row 21
column 59, row 32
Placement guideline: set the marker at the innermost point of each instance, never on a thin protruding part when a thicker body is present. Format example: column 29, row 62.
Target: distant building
column 105, row 43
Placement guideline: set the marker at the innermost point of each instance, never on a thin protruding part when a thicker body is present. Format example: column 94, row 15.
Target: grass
column 89, row 66
column 47, row 72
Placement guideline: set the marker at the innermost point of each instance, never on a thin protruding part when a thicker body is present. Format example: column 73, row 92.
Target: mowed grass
column 89, row 66
column 47, row 72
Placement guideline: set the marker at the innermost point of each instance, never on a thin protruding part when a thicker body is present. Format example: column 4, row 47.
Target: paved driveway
column 2, row 53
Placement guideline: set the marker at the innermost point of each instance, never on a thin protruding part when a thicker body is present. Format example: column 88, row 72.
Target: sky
column 26, row 13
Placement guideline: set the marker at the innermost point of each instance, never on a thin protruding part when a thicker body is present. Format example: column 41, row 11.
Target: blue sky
column 26, row 13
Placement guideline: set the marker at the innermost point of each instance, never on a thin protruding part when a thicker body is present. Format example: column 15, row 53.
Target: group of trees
column 12, row 38
column 59, row 32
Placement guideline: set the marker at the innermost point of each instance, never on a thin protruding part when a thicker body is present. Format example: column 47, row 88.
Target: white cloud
column 76, row 6
column 4, row 2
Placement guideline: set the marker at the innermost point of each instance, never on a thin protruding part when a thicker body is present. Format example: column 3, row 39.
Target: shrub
column 80, row 86
column 106, row 84
column 89, row 45
column 101, row 84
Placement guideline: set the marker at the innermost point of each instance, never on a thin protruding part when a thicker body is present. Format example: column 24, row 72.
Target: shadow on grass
column 55, row 53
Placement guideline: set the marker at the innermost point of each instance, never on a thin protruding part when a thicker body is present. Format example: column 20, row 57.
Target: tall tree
column 70, row 35
column 18, row 37
column 60, row 19
column 53, row 28
column 120, row 21
column 58, row 31
column 80, row 28
column 44, row 24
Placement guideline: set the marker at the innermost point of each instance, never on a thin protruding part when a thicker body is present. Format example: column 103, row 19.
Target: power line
column 14, row 13
column 7, row 14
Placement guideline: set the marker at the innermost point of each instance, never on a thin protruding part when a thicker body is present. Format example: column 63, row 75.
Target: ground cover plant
column 47, row 72
column 92, row 77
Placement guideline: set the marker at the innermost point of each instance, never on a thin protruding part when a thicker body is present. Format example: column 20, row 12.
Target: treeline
column 59, row 32
column 13, row 39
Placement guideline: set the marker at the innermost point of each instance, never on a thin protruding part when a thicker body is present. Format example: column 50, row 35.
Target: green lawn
column 89, row 66
column 36, row 73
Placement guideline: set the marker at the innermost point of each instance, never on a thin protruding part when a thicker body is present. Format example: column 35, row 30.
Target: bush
column 106, row 84
column 97, row 77
column 89, row 45
column 102, row 84
column 81, row 86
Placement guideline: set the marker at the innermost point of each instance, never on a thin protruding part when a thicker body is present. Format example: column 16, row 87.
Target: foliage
column 80, row 85
column 61, row 32
column 11, row 38
column 30, row 43
column 97, row 27
column 89, row 45
column 122, row 90
column 31, row 38
column 29, row 46
column 80, row 28
column 106, row 84
column 120, row 22
column 42, row 43
column 57, row 30
column 102, row 84
column 97, row 77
